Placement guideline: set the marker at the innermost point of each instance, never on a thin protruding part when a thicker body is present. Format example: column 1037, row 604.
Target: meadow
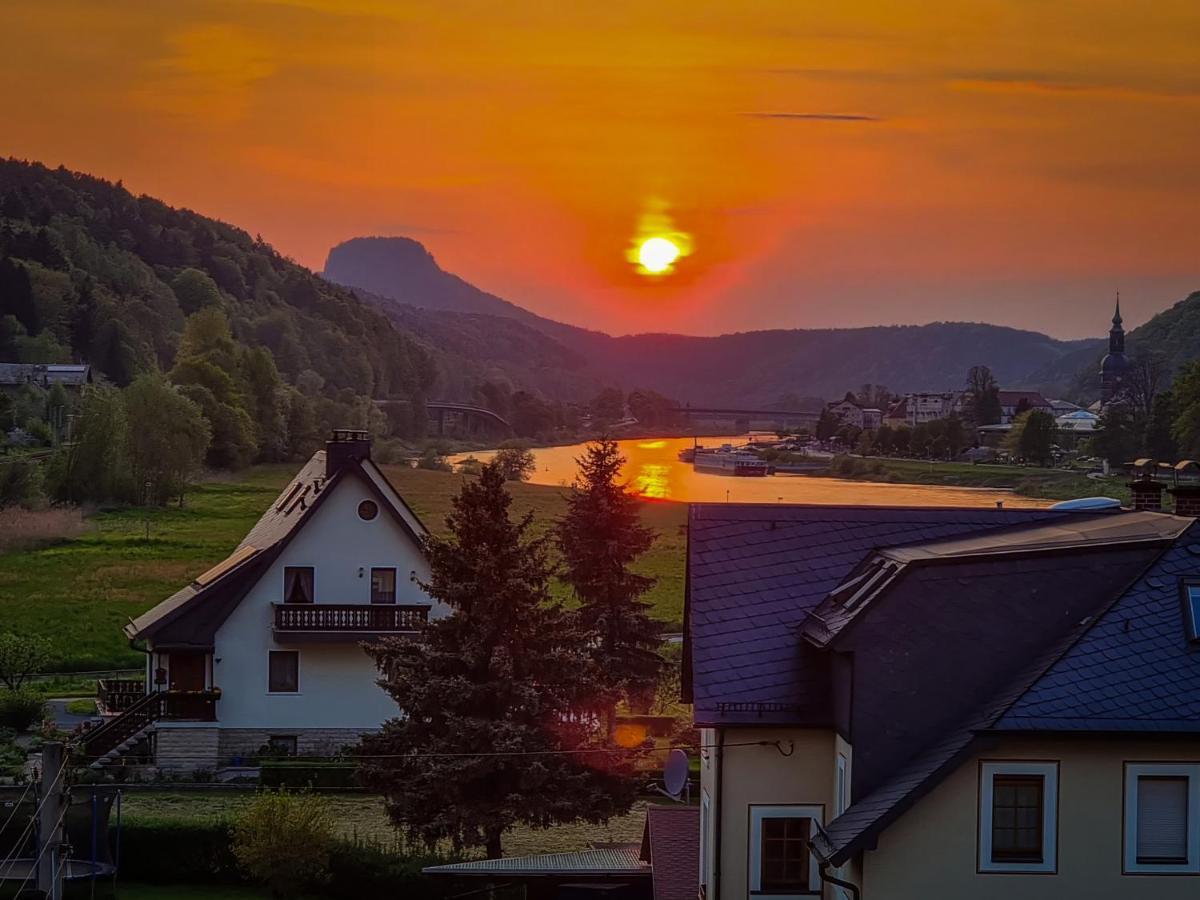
column 81, row 589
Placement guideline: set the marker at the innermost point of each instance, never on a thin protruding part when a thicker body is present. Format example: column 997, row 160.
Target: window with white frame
column 780, row 862
column 1162, row 818
column 1018, row 816
column 705, row 818
column 843, row 787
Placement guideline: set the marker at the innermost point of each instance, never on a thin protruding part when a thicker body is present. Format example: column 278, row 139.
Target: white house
column 266, row 647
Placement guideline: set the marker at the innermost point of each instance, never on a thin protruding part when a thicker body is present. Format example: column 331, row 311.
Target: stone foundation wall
column 186, row 749
column 246, row 742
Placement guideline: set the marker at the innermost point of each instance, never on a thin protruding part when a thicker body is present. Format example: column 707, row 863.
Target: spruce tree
column 600, row 536
column 498, row 726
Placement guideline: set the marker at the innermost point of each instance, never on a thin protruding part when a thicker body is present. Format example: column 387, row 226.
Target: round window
column 367, row 510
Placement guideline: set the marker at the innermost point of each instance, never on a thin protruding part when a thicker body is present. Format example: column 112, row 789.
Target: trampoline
column 92, row 837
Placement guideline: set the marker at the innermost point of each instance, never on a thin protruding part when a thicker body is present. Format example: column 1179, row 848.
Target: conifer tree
column 497, row 725
column 600, row 536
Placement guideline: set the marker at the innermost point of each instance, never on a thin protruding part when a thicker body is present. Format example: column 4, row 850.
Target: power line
column 17, row 806
column 11, row 859
column 45, row 846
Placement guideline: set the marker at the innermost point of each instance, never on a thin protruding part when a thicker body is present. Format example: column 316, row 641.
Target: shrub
column 366, row 872
column 284, row 841
column 21, row 709
column 178, row 851
column 515, row 463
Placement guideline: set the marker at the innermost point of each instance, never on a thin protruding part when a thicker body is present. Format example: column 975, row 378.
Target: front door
column 187, row 673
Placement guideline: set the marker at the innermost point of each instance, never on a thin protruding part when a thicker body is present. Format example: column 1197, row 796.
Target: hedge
column 170, row 851
column 300, row 774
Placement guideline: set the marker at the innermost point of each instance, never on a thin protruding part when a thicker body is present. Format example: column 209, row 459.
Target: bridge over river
column 743, row 420
column 447, row 417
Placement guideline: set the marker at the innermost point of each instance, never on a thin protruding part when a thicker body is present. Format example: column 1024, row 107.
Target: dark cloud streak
column 813, row 117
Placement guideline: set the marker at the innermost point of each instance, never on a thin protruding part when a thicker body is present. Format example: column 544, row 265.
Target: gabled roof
column 192, row 614
column 1129, row 668
column 1013, row 398
column 754, row 574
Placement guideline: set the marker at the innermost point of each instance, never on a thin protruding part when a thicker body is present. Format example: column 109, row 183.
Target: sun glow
column 657, row 245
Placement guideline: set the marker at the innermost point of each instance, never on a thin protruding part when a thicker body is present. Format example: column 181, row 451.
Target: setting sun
column 657, row 255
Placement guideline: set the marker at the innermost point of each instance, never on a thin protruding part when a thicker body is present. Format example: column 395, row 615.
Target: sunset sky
column 1013, row 161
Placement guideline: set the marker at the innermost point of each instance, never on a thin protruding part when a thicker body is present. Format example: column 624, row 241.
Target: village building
column 1115, row 365
column 851, row 412
column 906, row 703
column 264, row 650
column 1013, row 403
column 918, row 408
column 14, row 376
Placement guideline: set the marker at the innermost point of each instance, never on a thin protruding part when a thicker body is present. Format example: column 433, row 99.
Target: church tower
column 1115, row 364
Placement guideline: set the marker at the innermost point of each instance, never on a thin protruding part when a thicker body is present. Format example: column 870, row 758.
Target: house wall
column 762, row 775
column 931, row 850
column 337, row 680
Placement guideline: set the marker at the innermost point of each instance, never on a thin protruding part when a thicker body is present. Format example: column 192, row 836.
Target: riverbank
column 1029, row 481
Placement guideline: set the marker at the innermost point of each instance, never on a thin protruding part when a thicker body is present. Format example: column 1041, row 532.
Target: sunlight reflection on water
column 653, row 469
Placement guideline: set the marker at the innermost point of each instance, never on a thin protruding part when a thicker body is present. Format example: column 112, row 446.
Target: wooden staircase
column 107, row 743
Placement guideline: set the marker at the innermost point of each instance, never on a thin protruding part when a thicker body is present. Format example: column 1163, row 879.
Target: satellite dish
column 675, row 772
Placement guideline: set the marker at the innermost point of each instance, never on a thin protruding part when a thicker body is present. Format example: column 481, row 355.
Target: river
column 654, row 470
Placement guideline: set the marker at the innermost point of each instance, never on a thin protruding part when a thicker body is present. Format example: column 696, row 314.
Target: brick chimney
column 1186, row 489
column 345, row 445
column 1146, row 491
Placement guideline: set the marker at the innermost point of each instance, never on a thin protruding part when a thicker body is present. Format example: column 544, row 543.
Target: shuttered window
column 1162, row 819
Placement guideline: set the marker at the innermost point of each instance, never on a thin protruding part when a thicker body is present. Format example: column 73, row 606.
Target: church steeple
column 1116, row 334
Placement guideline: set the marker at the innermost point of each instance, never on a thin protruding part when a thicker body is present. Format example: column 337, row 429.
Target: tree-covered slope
column 90, row 272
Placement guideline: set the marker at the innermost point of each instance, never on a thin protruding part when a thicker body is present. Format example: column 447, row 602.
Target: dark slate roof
column 1130, row 668
column 755, row 572
column 1133, row 670
column 45, row 374
column 672, row 847
column 624, row 861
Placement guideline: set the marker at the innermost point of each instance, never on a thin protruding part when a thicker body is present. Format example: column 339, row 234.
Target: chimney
column 1146, row 491
column 344, row 446
column 1186, row 489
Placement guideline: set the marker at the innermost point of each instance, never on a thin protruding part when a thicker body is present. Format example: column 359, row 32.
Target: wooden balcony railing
column 115, row 695
column 348, row 618
column 145, row 711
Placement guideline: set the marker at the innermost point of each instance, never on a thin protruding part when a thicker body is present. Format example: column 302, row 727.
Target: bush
column 21, row 709
column 364, row 872
column 300, row 774
column 177, row 851
column 284, row 841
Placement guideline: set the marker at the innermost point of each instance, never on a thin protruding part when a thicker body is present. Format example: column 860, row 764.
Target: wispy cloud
column 813, row 117
column 1035, row 82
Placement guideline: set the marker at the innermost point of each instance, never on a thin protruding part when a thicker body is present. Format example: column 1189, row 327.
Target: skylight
column 1193, row 611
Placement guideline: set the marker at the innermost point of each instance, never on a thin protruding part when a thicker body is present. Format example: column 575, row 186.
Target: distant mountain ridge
column 743, row 368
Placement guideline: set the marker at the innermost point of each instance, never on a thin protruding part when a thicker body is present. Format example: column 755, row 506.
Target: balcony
column 332, row 622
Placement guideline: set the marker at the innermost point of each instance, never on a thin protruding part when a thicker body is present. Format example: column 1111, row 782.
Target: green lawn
column 1030, row 481
column 81, row 592
column 362, row 816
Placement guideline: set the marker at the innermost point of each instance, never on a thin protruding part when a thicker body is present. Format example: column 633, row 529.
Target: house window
column 298, row 584
column 1162, row 818
column 780, row 862
column 1018, row 817
column 383, row 585
column 284, row 674
column 367, row 510
column 1192, row 602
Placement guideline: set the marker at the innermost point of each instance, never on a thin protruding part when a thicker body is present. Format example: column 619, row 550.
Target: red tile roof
column 673, row 836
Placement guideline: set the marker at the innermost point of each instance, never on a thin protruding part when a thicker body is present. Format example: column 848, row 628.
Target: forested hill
column 748, row 368
column 90, row 272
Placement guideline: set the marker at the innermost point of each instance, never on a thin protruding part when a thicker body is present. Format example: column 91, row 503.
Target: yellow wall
column 930, row 852
column 762, row 775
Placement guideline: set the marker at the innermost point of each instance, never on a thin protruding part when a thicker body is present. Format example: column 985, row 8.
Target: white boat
column 727, row 461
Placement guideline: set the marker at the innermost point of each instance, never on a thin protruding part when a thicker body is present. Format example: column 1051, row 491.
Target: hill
column 747, row 368
column 90, row 272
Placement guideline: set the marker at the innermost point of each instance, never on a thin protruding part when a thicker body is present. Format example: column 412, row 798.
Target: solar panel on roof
column 235, row 558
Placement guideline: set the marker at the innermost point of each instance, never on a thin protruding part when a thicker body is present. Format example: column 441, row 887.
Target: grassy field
column 81, row 591
column 362, row 817
column 1057, row 484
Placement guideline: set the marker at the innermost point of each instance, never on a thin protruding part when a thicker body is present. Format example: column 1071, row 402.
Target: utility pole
column 50, row 832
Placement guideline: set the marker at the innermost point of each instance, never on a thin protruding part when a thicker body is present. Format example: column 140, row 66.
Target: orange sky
column 1012, row 161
